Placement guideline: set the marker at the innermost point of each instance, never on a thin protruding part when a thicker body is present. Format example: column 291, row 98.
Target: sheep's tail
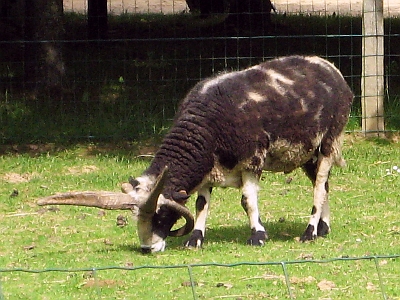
column 337, row 151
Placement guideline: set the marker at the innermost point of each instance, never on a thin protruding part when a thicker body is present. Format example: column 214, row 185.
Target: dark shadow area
column 143, row 149
column 128, row 87
column 282, row 231
column 125, row 247
column 277, row 231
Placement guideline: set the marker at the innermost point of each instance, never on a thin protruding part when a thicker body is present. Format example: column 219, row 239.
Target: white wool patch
column 323, row 63
column 304, row 106
column 279, row 81
column 318, row 139
column 337, row 151
column 220, row 176
column 326, row 87
column 254, row 96
column 317, row 116
column 285, row 156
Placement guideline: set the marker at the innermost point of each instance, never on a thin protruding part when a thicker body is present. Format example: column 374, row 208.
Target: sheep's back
column 283, row 109
column 272, row 116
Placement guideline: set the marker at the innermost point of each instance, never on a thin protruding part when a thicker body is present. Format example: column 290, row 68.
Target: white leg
column 325, row 218
column 202, row 206
column 319, row 220
column 250, row 205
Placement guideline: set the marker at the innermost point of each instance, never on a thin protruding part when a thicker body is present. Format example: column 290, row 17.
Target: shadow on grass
column 277, row 231
column 127, row 149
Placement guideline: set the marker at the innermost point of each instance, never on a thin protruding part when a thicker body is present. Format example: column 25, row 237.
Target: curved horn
column 150, row 205
column 101, row 199
column 148, row 208
column 185, row 213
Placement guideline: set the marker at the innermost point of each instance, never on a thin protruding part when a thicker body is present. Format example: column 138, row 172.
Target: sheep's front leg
column 318, row 172
column 250, row 205
column 202, row 205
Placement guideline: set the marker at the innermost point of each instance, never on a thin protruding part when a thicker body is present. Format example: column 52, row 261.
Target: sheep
column 285, row 113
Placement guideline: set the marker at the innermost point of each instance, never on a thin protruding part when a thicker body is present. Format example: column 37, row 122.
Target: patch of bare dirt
column 82, row 170
column 18, row 178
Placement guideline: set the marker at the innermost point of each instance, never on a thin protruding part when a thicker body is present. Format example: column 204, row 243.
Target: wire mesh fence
column 133, row 70
column 378, row 283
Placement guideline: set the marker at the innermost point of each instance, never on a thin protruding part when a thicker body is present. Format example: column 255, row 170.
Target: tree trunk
column 207, row 7
column 44, row 66
column 97, row 19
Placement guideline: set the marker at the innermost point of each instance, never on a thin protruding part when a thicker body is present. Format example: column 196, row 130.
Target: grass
column 364, row 204
column 126, row 90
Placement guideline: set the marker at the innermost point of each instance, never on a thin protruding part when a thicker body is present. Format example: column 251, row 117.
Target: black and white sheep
column 277, row 116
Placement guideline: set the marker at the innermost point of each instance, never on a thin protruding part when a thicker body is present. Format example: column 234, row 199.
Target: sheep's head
column 155, row 214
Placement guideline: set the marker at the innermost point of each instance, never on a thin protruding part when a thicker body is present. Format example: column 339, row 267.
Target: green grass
column 364, row 204
column 127, row 89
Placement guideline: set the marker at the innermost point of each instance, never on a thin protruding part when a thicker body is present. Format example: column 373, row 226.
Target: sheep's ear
column 150, row 205
column 180, row 196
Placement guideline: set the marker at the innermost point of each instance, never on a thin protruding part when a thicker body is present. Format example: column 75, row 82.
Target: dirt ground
column 342, row 7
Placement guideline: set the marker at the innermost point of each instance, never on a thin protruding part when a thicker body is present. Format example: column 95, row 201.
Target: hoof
column 258, row 238
column 323, row 228
column 196, row 239
column 308, row 234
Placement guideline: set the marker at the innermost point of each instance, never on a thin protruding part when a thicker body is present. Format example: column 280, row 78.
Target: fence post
column 372, row 79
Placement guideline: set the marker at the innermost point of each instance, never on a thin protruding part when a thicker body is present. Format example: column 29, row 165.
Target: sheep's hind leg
column 250, row 206
column 318, row 172
column 202, row 205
